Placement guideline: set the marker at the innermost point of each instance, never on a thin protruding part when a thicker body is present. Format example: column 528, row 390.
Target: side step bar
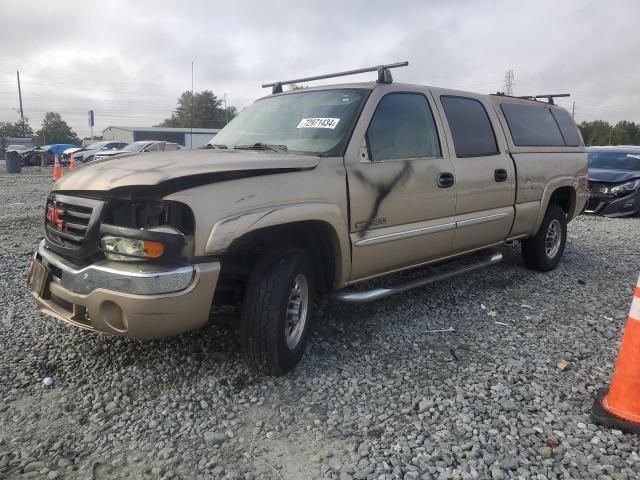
column 434, row 274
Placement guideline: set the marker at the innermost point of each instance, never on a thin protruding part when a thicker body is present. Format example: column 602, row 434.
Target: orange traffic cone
column 72, row 163
column 619, row 406
column 57, row 170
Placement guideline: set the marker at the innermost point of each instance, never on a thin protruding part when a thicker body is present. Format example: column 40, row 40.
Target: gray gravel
column 379, row 395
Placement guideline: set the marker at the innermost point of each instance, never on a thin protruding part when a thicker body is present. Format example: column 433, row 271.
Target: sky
column 130, row 60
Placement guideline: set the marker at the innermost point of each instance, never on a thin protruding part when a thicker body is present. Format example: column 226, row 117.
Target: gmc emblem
column 54, row 216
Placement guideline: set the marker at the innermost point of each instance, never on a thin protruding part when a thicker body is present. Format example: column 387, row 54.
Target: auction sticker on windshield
column 319, row 123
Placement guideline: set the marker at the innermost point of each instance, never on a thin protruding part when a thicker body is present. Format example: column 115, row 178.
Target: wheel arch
column 562, row 192
column 318, row 228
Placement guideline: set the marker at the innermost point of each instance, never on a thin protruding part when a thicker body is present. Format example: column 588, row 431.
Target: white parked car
column 140, row 147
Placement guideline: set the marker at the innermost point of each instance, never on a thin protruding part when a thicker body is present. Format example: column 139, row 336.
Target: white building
column 186, row 137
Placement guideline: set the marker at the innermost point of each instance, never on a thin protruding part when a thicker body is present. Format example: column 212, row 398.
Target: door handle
column 446, row 180
column 500, row 175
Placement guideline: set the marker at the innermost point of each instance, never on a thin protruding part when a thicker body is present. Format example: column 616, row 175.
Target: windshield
column 96, row 146
column 316, row 122
column 135, row 147
column 615, row 160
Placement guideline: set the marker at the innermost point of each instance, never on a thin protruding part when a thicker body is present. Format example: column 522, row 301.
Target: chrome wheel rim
column 297, row 308
column 553, row 239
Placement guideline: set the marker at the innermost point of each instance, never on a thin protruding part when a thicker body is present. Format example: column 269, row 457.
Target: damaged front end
column 619, row 199
column 121, row 264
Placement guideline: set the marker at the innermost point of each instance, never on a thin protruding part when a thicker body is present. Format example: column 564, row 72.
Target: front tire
column 276, row 311
column 543, row 251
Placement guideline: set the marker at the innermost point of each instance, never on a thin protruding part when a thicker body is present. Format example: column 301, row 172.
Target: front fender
column 228, row 229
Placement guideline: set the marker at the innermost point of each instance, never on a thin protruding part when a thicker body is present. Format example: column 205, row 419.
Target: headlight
column 626, row 187
column 120, row 248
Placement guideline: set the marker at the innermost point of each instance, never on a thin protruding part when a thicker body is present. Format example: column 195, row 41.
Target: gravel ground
column 382, row 393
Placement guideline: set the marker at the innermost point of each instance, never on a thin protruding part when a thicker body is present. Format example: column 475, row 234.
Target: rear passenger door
column 484, row 172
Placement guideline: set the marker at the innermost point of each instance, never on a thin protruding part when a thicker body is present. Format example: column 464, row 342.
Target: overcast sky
column 130, row 60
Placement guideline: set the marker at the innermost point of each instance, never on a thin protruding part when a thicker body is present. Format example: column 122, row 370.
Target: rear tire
column 543, row 251
column 276, row 311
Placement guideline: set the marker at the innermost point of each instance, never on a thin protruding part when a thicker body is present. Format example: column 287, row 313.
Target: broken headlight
column 626, row 187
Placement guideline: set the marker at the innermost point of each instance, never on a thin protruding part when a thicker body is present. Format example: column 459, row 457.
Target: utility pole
column 509, row 83
column 573, row 110
column 24, row 130
column 226, row 116
column 192, row 102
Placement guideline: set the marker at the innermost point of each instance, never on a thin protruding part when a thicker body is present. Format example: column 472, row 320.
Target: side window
column 567, row 127
column 403, row 127
column 470, row 127
column 532, row 125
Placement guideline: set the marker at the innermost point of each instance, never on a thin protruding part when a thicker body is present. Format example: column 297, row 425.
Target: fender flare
column 549, row 189
column 229, row 229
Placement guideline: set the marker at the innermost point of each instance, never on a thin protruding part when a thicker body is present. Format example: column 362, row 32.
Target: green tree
column 8, row 129
column 625, row 133
column 55, row 130
column 207, row 111
column 597, row 132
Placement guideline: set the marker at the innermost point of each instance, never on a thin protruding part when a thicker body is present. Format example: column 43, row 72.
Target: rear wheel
column 276, row 311
column 544, row 250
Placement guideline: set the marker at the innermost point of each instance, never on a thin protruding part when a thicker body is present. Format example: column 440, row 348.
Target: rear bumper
column 612, row 206
column 134, row 300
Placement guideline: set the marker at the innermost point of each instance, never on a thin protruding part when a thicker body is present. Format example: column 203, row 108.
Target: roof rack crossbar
column 548, row 97
column 384, row 76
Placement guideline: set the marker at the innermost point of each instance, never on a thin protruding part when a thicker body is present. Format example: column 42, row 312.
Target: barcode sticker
column 319, row 123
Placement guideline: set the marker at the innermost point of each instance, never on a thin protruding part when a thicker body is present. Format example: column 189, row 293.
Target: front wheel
column 544, row 250
column 276, row 311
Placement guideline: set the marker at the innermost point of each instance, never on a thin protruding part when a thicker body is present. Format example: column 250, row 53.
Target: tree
column 625, row 133
column 208, row 111
column 55, row 130
column 597, row 132
column 8, row 129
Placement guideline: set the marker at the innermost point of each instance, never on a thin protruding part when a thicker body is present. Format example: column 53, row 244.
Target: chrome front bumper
column 128, row 299
column 136, row 278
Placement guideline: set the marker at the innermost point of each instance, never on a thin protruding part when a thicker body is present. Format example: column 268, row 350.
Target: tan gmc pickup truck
column 311, row 191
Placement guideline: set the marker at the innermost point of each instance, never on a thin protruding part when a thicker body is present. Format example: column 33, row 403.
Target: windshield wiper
column 263, row 146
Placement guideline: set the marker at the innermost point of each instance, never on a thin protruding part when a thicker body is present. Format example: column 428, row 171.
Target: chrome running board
column 434, row 274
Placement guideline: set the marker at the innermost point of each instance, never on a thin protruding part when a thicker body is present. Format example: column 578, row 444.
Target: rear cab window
column 403, row 127
column 470, row 127
column 540, row 126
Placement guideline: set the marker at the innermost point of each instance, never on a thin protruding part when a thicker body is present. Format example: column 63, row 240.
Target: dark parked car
column 34, row 156
column 614, row 181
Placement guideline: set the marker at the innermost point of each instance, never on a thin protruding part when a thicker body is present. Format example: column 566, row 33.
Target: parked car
column 310, row 191
column 87, row 154
column 66, row 155
column 33, row 156
column 15, row 148
column 614, row 181
column 140, row 147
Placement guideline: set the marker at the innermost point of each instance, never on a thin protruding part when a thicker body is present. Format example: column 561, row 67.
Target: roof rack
column 384, row 76
column 548, row 97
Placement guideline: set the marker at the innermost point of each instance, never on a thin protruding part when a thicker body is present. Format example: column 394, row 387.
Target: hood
column 177, row 170
column 612, row 176
column 108, row 153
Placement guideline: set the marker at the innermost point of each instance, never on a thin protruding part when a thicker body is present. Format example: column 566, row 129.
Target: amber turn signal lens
column 153, row 249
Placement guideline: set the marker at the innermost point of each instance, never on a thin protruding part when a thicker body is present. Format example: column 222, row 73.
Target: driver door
column 401, row 189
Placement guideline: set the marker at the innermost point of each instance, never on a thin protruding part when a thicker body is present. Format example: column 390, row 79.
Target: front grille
column 71, row 223
column 71, row 229
column 597, row 187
